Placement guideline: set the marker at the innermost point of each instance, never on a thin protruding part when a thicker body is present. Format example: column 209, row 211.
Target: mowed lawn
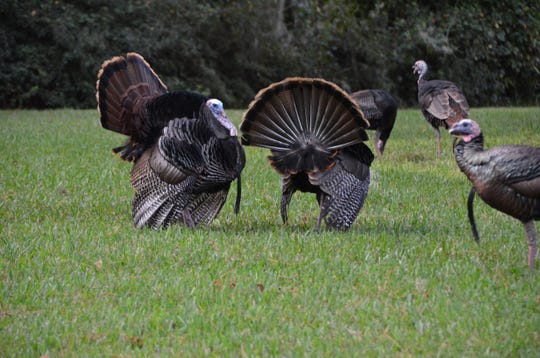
column 76, row 279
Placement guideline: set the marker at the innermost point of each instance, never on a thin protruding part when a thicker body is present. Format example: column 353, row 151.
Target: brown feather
column 122, row 83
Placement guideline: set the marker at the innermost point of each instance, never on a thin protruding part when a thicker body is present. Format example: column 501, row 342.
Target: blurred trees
column 51, row 51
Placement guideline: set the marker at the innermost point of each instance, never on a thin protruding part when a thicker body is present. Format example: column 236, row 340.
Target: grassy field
column 76, row 279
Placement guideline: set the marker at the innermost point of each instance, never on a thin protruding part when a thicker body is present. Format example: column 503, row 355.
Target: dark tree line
column 51, row 50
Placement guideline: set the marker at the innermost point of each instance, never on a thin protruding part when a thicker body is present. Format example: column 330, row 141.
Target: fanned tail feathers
column 304, row 122
column 122, row 83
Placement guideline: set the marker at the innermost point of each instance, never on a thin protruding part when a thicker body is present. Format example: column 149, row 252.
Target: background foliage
column 50, row 51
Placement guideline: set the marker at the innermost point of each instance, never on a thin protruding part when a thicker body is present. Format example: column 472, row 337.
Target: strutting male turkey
column 442, row 103
column 506, row 177
column 185, row 150
column 380, row 109
column 315, row 132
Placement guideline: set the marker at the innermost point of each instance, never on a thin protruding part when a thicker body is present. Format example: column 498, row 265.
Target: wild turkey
column 506, row 177
column 185, row 150
column 315, row 132
column 442, row 103
column 380, row 110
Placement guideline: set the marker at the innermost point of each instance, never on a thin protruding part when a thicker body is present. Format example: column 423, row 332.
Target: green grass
column 76, row 279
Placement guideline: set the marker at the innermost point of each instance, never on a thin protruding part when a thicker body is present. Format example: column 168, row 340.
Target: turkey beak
column 225, row 122
column 466, row 129
column 453, row 130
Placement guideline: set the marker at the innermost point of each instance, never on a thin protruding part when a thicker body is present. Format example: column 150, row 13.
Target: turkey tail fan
column 122, row 82
column 470, row 213
column 304, row 122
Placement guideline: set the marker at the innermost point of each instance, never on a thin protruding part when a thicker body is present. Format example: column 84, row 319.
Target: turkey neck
column 422, row 88
column 469, row 155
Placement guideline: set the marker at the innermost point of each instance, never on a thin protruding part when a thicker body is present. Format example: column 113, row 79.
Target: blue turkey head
column 216, row 107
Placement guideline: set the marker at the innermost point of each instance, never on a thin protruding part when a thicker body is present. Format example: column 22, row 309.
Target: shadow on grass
column 363, row 227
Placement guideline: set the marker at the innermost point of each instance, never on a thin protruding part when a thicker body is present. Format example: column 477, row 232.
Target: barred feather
column 348, row 194
column 121, row 82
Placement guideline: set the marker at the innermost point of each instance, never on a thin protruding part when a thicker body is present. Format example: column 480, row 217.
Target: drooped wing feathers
column 185, row 175
column 205, row 206
column 159, row 204
column 343, row 188
column 518, row 166
column 345, row 194
column 357, row 160
column 155, row 200
column 443, row 100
